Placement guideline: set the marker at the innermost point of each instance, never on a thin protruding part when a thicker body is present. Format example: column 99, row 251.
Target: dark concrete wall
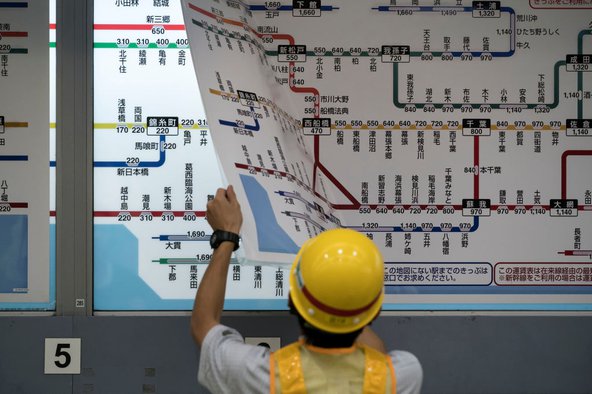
column 459, row 354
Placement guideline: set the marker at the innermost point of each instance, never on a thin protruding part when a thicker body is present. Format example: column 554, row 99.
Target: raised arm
column 223, row 213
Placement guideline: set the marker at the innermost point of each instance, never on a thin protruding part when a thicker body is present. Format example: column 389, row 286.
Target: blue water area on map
column 118, row 286
column 14, row 253
column 117, row 283
column 272, row 238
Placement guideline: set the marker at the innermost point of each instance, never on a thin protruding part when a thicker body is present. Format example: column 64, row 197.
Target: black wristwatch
column 219, row 236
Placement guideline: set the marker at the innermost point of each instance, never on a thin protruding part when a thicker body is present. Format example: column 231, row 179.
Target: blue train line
column 255, row 127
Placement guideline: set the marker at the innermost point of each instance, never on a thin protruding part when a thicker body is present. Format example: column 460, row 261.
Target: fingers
column 223, row 197
column 220, row 193
column 231, row 195
column 224, row 212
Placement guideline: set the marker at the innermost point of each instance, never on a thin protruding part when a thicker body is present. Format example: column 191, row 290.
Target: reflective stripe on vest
column 374, row 371
column 377, row 366
column 290, row 370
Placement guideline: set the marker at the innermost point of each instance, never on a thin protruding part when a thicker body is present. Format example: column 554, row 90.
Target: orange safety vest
column 378, row 368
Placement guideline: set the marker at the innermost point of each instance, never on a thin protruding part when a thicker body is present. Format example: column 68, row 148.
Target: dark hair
column 320, row 338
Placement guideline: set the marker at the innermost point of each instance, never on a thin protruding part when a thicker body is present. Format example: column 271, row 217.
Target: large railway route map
column 455, row 134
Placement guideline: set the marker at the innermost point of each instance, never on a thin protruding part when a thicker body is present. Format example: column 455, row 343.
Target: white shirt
column 228, row 365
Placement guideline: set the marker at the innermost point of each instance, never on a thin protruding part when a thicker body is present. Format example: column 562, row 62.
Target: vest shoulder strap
column 376, row 370
column 290, row 369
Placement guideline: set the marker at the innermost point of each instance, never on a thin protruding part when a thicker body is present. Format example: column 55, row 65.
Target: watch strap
column 219, row 236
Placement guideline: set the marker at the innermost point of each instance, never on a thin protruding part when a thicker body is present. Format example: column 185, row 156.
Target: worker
column 336, row 291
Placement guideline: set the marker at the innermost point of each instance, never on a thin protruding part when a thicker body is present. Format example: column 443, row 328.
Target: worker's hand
column 224, row 212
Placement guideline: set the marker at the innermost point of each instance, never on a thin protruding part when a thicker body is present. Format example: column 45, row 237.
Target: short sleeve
column 228, row 365
column 408, row 372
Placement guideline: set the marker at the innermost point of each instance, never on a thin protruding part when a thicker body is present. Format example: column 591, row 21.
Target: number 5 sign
column 62, row 355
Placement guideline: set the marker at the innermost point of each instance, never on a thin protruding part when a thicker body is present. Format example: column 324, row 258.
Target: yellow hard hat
column 336, row 281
